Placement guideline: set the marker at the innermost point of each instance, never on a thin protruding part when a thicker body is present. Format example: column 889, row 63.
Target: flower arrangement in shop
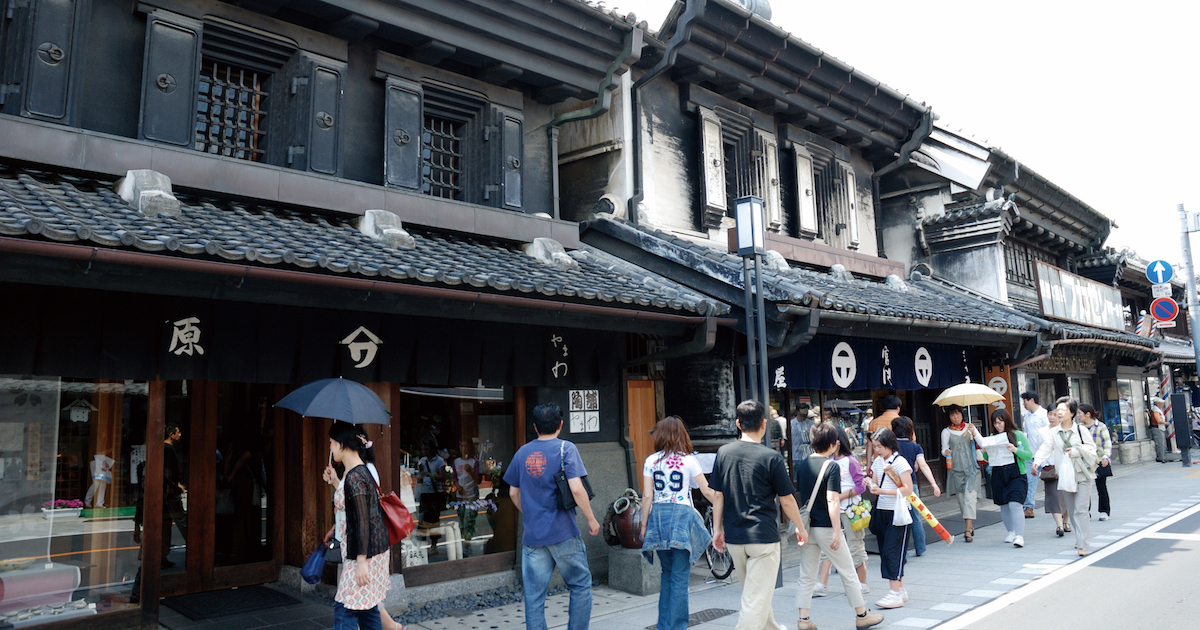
column 63, row 504
column 468, row 511
column 496, row 473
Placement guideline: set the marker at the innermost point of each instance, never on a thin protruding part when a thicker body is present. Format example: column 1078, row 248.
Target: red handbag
column 397, row 517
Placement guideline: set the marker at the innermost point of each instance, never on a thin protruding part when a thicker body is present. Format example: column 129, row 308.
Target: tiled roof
column 63, row 208
column 817, row 289
column 983, row 209
column 1079, row 331
column 1177, row 350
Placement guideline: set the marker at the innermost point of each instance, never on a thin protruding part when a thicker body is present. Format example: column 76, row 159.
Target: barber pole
column 1165, row 390
column 916, row 502
column 1141, row 325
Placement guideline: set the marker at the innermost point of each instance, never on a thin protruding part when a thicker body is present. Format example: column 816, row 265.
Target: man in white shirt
column 1035, row 421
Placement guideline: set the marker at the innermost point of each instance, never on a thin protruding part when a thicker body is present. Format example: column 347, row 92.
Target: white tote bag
column 900, row 515
column 1066, row 473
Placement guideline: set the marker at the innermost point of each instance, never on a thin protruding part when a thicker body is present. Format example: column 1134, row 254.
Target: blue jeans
column 673, row 592
column 537, row 565
column 1030, row 499
column 348, row 619
column 918, row 531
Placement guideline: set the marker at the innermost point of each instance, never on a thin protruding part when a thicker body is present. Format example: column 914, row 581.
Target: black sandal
column 969, row 535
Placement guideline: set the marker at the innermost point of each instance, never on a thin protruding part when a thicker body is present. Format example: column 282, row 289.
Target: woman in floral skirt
column 359, row 524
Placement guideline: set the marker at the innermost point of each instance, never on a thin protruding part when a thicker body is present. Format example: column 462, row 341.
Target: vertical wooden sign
column 999, row 378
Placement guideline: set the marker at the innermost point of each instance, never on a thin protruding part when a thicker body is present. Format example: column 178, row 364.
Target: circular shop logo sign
column 845, row 366
column 999, row 385
column 924, row 366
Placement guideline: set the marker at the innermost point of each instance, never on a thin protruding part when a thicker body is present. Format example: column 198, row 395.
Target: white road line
column 1121, row 531
column 1102, row 537
column 1016, row 595
column 916, row 622
column 1160, row 536
column 1011, row 581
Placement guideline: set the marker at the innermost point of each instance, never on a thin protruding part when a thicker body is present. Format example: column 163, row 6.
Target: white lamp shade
column 748, row 214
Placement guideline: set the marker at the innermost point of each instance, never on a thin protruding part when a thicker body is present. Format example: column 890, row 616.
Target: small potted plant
column 468, row 513
column 61, row 508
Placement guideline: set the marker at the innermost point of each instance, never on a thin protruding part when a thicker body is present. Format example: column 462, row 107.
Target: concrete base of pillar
column 628, row 571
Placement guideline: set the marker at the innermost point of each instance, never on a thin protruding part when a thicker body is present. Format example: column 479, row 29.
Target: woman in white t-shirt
column 676, row 531
column 891, row 497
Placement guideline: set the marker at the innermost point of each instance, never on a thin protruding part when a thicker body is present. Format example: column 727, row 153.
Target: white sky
column 1092, row 96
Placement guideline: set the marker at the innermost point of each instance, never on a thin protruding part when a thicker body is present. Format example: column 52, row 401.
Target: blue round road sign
column 1159, row 271
column 1164, row 309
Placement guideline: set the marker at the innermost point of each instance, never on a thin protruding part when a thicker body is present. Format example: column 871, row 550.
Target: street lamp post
column 748, row 214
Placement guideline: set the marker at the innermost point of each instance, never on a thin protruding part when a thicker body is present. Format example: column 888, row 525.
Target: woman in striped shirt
column 1087, row 417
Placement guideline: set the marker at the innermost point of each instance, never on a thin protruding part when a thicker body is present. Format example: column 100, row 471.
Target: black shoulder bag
column 566, row 500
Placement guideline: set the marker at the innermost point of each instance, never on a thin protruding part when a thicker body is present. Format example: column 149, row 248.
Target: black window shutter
column 315, row 92
column 57, row 34
column 508, row 156
column 403, row 127
column 171, row 69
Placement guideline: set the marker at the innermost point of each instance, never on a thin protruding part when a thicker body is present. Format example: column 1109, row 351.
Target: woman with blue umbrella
column 358, row 516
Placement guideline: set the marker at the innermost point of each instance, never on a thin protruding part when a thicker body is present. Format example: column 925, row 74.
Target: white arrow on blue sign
column 1159, row 271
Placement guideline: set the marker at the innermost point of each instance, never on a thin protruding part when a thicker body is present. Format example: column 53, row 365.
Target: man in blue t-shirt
column 551, row 535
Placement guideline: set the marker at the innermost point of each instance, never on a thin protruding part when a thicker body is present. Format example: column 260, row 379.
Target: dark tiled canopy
column 68, row 209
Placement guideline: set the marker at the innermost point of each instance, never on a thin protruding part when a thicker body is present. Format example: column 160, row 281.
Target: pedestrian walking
column 1158, row 429
column 912, row 453
column 359, row 525
column 1073, row 453
column 801, row 443
column 1103, row 440
column 891, row 411
column 748, row 478
column 819, row 483
column 552, row 537
column 1009, row 480
column 892, row 538
column 853, row 484
column 1035, row 422
column 1054, row 504
column 962, row 476
column 672, row 529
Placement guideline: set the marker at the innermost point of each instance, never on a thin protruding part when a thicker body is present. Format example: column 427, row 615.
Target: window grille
column 442, row 157
column 1018, row 262
column 231, row 111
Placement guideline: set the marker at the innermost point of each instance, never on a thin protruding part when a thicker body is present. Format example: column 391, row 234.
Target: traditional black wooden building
column 204, row 205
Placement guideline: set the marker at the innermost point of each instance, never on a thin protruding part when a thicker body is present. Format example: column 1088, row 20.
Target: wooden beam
column 500, row 73
column 152, row 505
column 278, row 448
column 432, row 52
column 556, row 93
column 354, row 27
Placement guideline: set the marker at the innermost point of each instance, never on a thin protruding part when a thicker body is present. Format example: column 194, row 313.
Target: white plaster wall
column 980, row 269
column 668, row 192
column 864, row 204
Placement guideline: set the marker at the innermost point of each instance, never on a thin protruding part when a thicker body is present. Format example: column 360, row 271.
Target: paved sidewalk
column 945, row 582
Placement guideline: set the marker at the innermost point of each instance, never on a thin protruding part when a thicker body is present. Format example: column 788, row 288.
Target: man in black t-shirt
column 748, row 477
column 825, row 529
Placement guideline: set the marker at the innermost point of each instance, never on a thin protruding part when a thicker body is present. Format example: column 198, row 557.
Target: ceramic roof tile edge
column 217, row 245
column 703, row 304
column 795, row 286
column 989, row 208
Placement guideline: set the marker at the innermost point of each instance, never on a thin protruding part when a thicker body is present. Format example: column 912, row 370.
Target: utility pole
column 1189, row 278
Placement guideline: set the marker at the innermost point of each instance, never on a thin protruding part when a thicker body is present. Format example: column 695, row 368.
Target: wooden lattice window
column 442, row 157
column 231, row 111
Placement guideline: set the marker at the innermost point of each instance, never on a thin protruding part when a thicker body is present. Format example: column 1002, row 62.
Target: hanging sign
column 1064, row 295
column 1161, row 290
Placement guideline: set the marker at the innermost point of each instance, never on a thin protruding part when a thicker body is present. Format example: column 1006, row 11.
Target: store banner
column 94, row 334
column 833, row 363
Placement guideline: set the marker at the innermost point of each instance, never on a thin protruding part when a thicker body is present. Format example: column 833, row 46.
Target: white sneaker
column 820, row 590
column 891, row 600
column 1019, row 541
column 865, row 589
column 1103, row 516
column 1010, row 537
column 903, row 594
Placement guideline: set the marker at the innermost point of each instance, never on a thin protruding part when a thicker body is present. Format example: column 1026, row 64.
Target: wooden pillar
column 152, row 508
column 519, row 423
column 202, row 485
column 279, row 446
column 382, row 437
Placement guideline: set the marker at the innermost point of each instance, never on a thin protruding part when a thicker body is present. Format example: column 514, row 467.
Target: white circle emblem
column 924, row 366
column 999, row 385
column 845, row 366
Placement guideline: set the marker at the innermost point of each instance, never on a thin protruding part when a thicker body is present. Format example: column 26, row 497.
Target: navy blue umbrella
column 339, row 399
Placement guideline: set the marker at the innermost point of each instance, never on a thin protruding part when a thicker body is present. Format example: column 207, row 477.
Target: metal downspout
column 683, row 33
column 632, row 51
column 920, row 134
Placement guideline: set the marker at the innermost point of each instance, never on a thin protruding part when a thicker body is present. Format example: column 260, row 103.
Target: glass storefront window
column 69, row 486
column 1081, row 389
column 457, row 443
column 1124, row 405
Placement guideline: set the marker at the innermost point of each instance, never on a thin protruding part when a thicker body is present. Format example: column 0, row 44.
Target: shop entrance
column 221, row 472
